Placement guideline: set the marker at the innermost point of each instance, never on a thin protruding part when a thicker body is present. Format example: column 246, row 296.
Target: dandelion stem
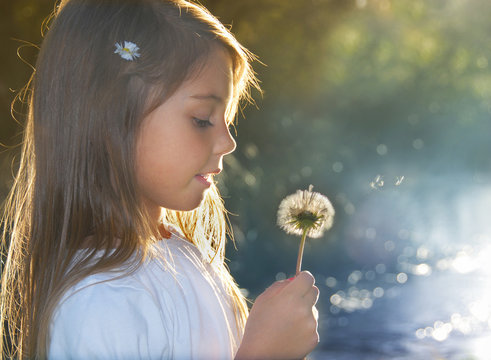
column 300, row 250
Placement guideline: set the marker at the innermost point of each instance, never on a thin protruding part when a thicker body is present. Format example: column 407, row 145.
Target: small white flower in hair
column 128, row 51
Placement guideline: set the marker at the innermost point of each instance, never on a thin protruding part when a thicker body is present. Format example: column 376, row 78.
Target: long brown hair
column 76, row 174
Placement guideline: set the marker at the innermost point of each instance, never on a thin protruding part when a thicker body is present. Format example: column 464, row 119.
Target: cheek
column 147, row 156
column 153, row 141
column 158, row 154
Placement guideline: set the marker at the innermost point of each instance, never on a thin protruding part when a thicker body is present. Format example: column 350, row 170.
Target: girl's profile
column 115, row 230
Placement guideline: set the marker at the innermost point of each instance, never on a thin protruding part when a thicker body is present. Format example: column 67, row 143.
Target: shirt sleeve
column 105, row 321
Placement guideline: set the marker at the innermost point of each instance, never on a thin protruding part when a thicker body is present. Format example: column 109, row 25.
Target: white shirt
column 149, row 314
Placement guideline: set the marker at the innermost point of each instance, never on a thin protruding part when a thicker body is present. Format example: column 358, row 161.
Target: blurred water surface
column 430, row 298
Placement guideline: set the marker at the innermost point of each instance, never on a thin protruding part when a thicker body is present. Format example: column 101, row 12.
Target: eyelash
column 202, row 123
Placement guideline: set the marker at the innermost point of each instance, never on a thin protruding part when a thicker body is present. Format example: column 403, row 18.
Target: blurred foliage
column 20, row 33
column 353, row 89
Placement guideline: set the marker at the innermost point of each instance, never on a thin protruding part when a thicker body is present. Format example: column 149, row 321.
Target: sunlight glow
column 421, row 270
column 464, row 263
column 481, row 348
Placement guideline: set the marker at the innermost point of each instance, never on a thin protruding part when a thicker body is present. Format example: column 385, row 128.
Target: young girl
column 116, row 230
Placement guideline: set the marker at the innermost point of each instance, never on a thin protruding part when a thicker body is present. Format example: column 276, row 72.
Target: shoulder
column 108, row 319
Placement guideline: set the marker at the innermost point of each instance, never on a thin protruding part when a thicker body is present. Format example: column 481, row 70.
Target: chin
column 188, row 205
column 185, row 203
column 190, row 208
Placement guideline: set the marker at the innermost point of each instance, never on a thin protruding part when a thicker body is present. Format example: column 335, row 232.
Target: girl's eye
column 202, row 123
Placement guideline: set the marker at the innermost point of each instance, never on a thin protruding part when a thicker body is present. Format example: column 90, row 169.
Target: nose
column 225, row 143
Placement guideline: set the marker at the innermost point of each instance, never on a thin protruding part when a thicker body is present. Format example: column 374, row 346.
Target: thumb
column 301, row 284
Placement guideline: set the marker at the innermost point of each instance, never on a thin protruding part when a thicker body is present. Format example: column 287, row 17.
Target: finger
column 315, row 312
column 301, row 284
column 312, row 296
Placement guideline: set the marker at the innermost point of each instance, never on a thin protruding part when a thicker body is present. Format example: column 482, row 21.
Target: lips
column 207, row 178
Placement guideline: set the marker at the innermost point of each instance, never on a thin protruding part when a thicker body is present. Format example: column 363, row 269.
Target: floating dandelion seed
column 399, row 180
column 379, row 182
column 305, row 213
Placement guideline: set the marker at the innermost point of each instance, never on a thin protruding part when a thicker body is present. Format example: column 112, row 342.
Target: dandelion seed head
column 306, row 210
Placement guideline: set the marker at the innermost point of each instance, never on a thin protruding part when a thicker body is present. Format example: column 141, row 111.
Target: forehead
column 212, row 79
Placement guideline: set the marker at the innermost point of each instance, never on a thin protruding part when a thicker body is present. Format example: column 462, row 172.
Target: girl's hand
column 282, row 323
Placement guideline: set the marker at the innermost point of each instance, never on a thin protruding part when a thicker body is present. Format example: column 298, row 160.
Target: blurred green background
column 384, row 106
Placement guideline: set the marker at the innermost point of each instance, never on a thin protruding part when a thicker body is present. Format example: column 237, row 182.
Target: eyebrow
column 208, row 97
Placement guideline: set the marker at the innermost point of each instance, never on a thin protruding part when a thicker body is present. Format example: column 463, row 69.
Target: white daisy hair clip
column 128, row 51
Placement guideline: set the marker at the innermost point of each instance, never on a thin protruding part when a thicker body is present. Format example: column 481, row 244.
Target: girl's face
column 181, row 143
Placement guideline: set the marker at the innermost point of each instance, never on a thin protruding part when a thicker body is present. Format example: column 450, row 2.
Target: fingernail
column 290, row 279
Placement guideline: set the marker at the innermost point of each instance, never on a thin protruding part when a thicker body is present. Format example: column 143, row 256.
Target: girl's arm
column 283, row 321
